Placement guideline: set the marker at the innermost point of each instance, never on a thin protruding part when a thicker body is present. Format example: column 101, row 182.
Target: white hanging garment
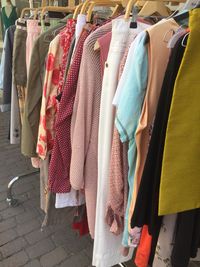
column 107, row 246
column 72, row 199
column 165, row 242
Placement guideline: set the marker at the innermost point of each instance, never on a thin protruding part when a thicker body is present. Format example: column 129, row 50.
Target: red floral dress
column 53, row 85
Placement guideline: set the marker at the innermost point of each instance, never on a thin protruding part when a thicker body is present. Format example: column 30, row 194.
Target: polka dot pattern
column 59, row 168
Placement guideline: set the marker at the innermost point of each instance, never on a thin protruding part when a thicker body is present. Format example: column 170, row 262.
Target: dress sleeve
column 132, row 96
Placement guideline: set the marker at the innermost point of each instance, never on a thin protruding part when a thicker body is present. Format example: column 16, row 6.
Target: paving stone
column 32, row 203
column 10, row 212
column 78, row 260
column 3, row 205
column 13, row 247
column 17, row 260
column 88, row 251
column 38, row 235
column 70, row 240
column 7, row 236
column 26, row 216
column 53, row 258
column 21, row 241
column 34, row 263
column 40, row 248
column 3, row 196
column 27, row 227
column 19, row 189
column 7, row 224
column 3, row 188
column 4, row 178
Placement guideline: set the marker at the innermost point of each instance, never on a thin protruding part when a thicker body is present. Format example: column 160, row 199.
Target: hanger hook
column 167, row 34
column 183, row 41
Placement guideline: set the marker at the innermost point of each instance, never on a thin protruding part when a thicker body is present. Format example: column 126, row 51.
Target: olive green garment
column 34, row 91
column 51, row 23
column 180, row 177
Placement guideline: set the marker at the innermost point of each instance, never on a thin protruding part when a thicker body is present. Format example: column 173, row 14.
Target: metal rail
column 10, row 199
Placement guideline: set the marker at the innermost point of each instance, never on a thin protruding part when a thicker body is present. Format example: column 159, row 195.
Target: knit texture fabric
column 85, row 125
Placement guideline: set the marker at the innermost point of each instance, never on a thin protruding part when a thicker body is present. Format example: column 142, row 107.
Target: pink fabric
column 33, row 31
column 118, row 174
column 104, row 43
column 61, row 154
column 85, row 125
column 118, row 185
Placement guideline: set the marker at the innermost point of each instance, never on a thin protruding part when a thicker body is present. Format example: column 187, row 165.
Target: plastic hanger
column 190, row 4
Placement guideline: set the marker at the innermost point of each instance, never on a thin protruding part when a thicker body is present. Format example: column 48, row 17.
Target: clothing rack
column 10, row 199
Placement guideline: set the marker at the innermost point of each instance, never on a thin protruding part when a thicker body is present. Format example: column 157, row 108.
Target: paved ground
column 21, row 241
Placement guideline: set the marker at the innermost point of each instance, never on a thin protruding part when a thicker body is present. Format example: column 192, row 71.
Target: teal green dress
column 9, row 21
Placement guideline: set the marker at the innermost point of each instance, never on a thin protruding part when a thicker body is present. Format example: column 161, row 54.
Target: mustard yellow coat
column 180, row 177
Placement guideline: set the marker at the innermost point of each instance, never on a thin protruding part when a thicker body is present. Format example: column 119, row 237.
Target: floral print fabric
column 53, row 84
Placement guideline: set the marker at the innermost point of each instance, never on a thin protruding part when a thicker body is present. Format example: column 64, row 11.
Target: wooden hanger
column 56, row 9
column 150, row 8
column 102, row 3
column 85, row 7
column 131, row 3
column 77, row 11
column 140, row 3
column 24, row 11
column 44, row 3
column 37, row 12
column 115, row 12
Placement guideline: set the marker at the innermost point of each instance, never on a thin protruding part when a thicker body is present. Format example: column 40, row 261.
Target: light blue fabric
column 129, row 110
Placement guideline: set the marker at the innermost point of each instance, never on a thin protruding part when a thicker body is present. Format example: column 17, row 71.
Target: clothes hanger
column 77, row 11
column 87, row 3
column 115, row 12
column 56, row 9
column 115, row 4
column 24, row 11
column 190, row 4
column 129, row 8
column 154, row 7
column 37, row 12
column 140, row 3
column 183, row 13
column 157, row 7
column 44, row 3
column 131, row 3
column 85, row 7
